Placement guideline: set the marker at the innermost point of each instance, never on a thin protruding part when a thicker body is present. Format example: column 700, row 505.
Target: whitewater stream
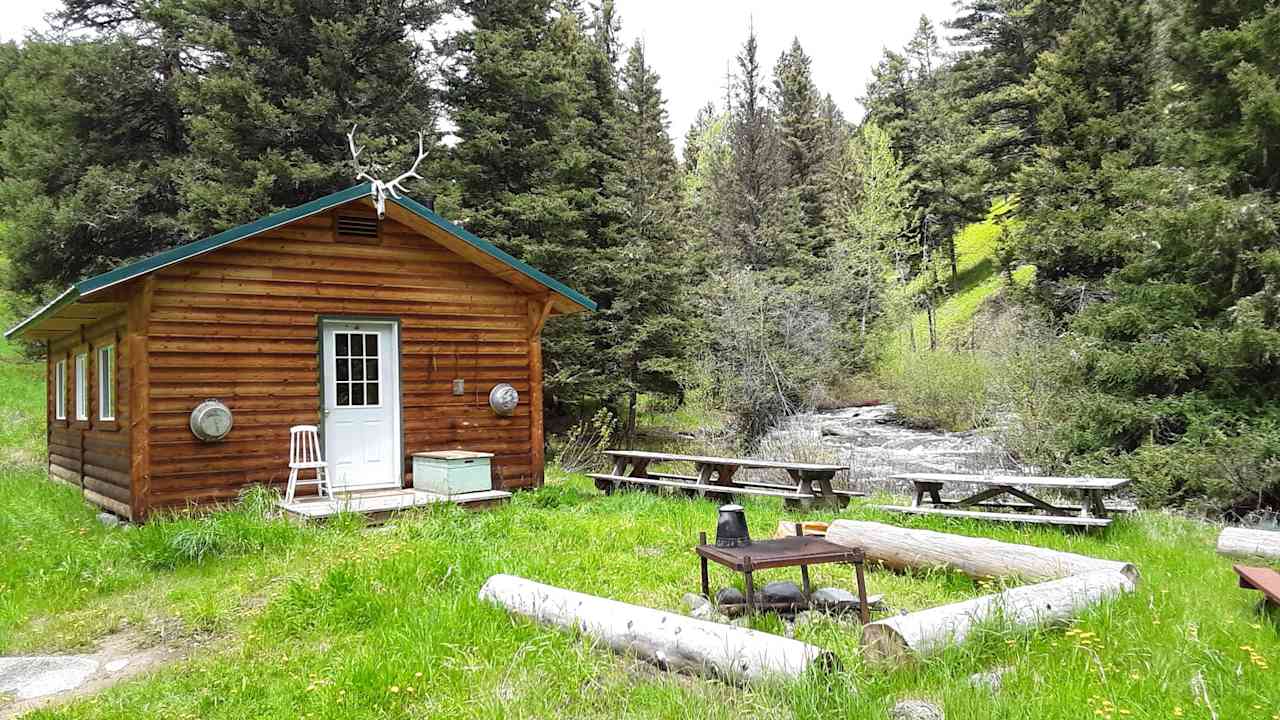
column 875, row 447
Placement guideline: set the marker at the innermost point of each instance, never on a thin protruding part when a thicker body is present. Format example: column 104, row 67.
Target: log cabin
column 387, row 332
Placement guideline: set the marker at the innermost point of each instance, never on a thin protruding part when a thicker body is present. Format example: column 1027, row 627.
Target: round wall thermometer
column 503, row 399
column 211, row 420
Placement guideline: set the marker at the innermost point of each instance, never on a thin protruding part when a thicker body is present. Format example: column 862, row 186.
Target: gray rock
column 108, row 519
column 782, row 591
column 730, row 596
column 693, row 601
column 833, row 596
column 708, row 612
column 916, row 710
column 32, row 677
column 991, row 680
column 808, row 616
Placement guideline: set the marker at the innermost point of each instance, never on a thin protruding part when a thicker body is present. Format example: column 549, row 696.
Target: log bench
column 1265, row 580
column 1065, row 520
column 784, row 493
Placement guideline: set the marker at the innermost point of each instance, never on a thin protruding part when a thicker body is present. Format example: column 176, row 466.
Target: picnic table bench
column 1265, row 580
column 1091, row 512
column 715, row 477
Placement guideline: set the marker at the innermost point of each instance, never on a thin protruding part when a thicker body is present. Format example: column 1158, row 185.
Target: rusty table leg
column 751, row 586
column 706, row 577
column 863, row 611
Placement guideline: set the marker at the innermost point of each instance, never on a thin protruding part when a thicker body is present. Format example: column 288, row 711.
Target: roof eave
column 559, row 288
column 67, row 297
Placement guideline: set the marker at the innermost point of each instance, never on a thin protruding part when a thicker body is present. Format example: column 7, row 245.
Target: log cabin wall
column 240, row 324
column 92, row 454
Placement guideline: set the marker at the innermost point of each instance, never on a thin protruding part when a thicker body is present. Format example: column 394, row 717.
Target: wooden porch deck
column 378, row 505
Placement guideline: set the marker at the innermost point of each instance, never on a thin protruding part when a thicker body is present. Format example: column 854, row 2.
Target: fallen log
column 1243, row 542
column 901, row 548
column 668, row 640
column 926, row 632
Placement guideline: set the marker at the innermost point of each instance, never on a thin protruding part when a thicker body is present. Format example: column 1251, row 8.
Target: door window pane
column 356, row 372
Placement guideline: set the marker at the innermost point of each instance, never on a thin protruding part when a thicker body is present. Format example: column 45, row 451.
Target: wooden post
column 748, row 576
column 539, row 310
column 139, row 319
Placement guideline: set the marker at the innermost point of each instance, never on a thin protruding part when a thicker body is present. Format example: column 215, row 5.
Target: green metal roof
column 284, row 217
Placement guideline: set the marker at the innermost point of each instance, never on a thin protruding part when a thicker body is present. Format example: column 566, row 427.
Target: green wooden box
column 452, row 472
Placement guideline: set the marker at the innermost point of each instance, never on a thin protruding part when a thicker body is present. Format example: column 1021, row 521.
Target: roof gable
column 416, row 214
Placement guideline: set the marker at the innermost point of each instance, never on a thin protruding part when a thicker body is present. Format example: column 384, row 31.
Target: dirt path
column 31, row 682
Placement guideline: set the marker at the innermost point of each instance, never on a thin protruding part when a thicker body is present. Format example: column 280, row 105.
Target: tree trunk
column 926, row 632
column 631, row 419
column 1243, row 542
column 670, row 641
column 900, row 548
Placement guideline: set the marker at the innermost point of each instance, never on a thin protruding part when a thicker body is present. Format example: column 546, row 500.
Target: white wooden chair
column 304, row 454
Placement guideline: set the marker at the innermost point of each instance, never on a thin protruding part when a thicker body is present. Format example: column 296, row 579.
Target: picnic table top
column 781, row 552
column 1071, row 483
column 713, row 460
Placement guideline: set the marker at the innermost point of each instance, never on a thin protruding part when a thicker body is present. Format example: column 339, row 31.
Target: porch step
column 380, row 504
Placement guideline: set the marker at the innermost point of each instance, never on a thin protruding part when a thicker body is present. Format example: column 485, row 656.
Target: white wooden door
column 361, row 404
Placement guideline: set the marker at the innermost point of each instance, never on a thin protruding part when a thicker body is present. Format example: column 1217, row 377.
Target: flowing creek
column 875, row 446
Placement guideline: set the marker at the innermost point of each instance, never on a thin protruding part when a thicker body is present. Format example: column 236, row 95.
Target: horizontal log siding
column 92, row 456
column 240, row 324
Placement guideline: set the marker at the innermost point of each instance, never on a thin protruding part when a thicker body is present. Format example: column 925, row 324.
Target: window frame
column 106, row 357
column 82, row 386
column 60, row 389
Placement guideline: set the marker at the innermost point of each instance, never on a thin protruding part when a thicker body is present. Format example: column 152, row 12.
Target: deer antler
column 379, row 189
column 355, row 156
column 394, row 186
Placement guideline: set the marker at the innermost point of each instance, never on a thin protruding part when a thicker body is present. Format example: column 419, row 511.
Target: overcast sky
column 690, row 42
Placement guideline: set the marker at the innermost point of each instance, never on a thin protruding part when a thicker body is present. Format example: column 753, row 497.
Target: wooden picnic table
column 1091, row 512
column 715, row 477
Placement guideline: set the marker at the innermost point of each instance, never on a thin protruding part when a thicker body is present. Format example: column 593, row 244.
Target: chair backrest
column 304, row 445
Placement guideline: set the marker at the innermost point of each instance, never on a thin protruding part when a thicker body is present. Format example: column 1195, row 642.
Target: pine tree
column 802, row 134
column 173, row 120
column 646, row 330
column 752, row 203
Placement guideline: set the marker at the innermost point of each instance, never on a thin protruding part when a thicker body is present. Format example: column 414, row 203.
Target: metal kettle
column 731, row 527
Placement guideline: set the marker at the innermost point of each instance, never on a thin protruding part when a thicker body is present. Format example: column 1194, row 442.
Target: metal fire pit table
column 801, row 551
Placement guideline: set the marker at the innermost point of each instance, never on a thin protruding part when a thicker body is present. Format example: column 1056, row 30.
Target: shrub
column 941, row 388
column 770, row 347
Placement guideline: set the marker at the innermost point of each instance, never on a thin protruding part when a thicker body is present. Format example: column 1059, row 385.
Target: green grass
column 342, row 622
column 977, row 279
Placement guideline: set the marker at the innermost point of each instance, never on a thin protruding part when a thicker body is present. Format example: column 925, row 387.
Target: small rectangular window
column 82, row 386
column 107, row 382
column 60, row 390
